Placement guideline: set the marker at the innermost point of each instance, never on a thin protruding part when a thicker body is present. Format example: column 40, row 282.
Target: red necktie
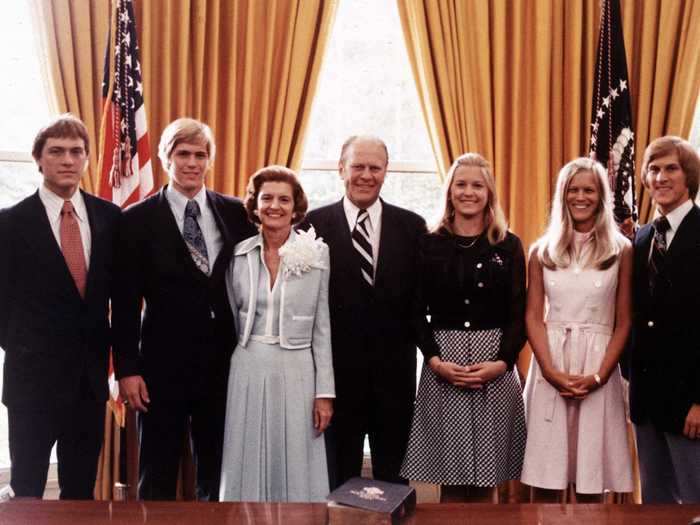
column 72, row 247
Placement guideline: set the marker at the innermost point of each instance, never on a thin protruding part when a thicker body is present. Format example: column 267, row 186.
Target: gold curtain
column 71, row 37
column 662, row 39
column 248, row 68
column 513, row 81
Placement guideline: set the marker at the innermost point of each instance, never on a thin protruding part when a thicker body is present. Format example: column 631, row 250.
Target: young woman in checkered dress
column 468, row 429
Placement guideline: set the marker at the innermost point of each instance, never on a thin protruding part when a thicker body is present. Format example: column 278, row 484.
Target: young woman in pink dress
column 578, row 319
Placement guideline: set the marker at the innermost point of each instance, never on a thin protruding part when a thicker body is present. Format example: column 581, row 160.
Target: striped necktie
column 361, row 240
column 658, row 251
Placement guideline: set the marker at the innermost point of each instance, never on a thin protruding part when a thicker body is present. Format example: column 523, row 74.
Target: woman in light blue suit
column 281, row 389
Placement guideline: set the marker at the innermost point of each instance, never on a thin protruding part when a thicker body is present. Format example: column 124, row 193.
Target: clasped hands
column 471, row 376
column 571, row 386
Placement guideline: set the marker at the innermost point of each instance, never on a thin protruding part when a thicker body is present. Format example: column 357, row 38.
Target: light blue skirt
column 271, row 450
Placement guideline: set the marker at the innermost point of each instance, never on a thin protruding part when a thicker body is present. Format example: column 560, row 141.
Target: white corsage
column 302, row 253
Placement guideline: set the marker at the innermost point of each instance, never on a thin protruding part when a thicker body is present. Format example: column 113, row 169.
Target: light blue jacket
column 304, row 317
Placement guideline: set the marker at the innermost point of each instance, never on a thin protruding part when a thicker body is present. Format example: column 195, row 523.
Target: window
column 366, row 87
column 23, row 103
column 24, row 109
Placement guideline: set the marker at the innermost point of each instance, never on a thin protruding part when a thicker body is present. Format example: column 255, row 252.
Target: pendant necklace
column 468, row 245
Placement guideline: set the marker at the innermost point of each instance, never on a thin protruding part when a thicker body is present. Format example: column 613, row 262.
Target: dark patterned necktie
column 363, row 246
column 194, row 239
column 658, row 251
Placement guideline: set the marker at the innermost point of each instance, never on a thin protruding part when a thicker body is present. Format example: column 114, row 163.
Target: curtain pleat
column 247, row 68
column 513, row 81
column 72, row 36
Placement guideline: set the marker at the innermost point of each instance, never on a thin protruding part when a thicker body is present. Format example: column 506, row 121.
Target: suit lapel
column 252, row 255
column 643, row 243
column 343, row 252
column 387, row 244
column 219, row 265
column 40, row 238
column 96, row 226
column 687, row 236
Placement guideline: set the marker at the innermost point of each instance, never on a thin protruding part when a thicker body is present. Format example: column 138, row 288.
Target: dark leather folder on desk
column 362, row 500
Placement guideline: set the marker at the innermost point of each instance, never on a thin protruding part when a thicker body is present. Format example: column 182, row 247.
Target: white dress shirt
column 54, row 204
column 675, row 218
column 212, row 236
column 375, row 219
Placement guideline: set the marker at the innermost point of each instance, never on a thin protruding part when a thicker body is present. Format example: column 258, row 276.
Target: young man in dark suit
column 172, row 361
column 665, row 357
column 56, row 251
column 373, row 249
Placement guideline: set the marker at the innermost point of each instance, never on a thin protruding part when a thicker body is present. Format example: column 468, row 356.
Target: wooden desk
column 33, row 512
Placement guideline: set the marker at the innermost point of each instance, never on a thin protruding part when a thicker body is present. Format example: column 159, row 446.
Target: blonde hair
column 189, row 131
column 555, row 249
column 494, row 218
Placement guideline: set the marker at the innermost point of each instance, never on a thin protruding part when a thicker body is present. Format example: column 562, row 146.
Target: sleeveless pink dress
column 569, row 441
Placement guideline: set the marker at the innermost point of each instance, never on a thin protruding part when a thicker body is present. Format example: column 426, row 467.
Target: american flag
column 125, row 170
column 612, row 134
column 126, row 174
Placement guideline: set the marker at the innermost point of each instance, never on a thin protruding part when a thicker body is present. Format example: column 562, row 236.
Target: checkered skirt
column 462, row 436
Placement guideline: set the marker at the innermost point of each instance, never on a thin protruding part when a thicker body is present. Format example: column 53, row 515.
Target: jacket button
column 479, row 265
column 467, row 324
column 466, row 301
column 650, row 324
column 480, row 285
column 212, row 314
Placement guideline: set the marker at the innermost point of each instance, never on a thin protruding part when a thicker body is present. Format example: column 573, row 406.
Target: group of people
column 275, row 340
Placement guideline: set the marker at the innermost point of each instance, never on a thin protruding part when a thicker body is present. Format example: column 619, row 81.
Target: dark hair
column 368, row 138
column 275, row 173
column 687, row 157
column 63, row 126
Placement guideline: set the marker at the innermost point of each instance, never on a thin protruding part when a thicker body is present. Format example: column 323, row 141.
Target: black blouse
column 468, row 284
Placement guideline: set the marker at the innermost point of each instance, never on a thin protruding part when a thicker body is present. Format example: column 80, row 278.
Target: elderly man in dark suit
column 665, row 358
column 55, row 282
column 373, row 248
column 172, row 362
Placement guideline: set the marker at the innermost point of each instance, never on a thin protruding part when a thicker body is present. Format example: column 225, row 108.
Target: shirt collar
column 256, row 241
column 676, row 216
column 54, row 204
column 178, row 201
column 351, row 211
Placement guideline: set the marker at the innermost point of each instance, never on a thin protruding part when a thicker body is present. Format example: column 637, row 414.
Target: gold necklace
column 467, row 246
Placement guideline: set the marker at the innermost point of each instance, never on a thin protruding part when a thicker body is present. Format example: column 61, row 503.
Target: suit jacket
column 182, row 344
column 53, row 337
column 373, row 340
column 304, row 320
column 665, row 347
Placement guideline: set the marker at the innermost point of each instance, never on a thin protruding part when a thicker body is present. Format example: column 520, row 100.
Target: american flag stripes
column 125, row 169
column 612, row 135
column 126, row 174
